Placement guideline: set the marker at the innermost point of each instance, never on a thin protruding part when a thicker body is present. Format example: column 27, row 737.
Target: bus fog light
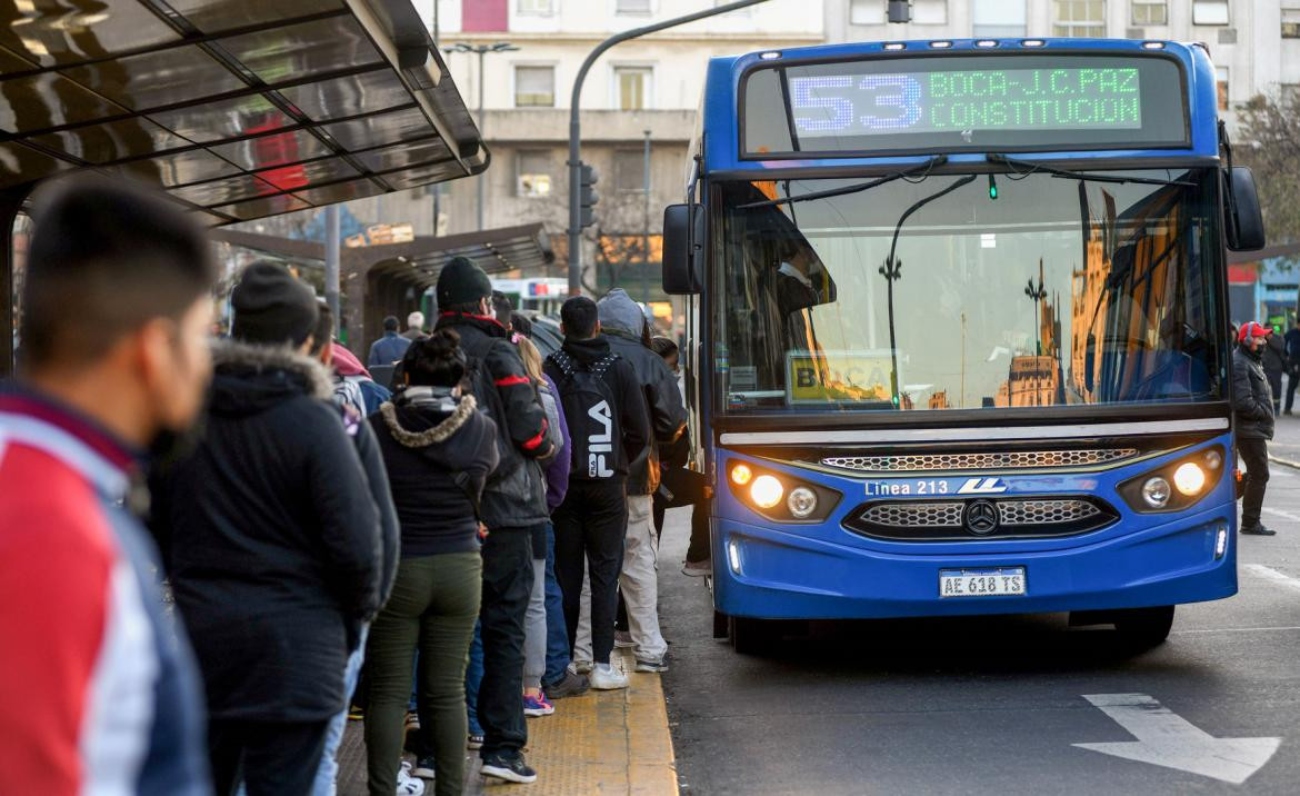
column 733, row 555
column 1213, row 459
column 766, row 491
column 1189, row 479
column 1220, row 541
column 741, row 474
column 802, row 502
column 1156, row 492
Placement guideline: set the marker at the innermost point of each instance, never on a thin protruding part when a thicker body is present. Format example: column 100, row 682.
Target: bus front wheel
column 1145, row 627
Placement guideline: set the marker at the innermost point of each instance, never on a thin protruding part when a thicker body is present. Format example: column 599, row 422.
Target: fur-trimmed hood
column 249, row 379
column 422, row 438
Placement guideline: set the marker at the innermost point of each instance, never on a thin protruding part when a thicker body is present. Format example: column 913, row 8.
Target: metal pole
column 645, row 234
column 575, row 126
column 332, row 262
column 482, row 84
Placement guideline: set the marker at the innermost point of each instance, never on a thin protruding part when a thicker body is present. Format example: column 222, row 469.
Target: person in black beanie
column 271, row 540
column 513, row 508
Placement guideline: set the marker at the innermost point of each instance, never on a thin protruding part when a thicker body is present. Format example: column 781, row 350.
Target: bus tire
column 1144, row 628
column 750, row 636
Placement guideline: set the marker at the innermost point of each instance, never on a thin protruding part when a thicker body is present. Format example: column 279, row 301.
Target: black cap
column 272, row 307
column 461, row 282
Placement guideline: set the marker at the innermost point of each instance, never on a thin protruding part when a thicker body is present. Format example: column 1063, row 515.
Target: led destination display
column 989, row 99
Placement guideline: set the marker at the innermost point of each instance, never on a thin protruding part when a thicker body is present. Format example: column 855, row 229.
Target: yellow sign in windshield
column 819, row 377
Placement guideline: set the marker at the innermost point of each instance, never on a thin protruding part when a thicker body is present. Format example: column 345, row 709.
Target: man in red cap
column 1252, row 405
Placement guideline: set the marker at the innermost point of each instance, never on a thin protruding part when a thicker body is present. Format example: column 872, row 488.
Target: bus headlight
column 741, row 474
column 1156, row 492
column 802, row 502
column 766, row 491
column 1189, row 478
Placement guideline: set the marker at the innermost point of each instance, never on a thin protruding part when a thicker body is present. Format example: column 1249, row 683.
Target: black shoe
column 510, row 767
column 572, row 684
column 1258, row 529
column 425, row 768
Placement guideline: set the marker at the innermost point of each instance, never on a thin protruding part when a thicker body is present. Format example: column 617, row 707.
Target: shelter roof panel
column 245, row 107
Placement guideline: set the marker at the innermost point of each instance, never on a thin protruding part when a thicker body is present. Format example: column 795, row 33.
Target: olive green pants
column 434, row 606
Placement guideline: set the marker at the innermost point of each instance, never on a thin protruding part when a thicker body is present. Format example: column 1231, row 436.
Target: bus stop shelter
column 390, row 279
column 236, row 109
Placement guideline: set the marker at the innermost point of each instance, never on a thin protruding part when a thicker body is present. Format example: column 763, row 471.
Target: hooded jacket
column 438, row 451
column 623, row 323
column 1252, row 398
column 272, row 539
column 515, row 497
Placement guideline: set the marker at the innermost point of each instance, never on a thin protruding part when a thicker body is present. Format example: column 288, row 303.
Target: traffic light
column 587, row 196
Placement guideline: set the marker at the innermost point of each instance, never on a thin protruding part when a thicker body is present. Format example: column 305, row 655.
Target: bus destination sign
column 1053, row 99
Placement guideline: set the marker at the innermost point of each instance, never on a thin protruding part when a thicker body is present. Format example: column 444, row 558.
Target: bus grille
column 939, row 520
column 1006, row 460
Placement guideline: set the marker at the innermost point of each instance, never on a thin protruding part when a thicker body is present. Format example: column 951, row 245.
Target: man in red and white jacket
column 98, row 689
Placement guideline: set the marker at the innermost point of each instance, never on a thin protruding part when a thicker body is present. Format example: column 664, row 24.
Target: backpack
column 589, row 409
column 484, row 388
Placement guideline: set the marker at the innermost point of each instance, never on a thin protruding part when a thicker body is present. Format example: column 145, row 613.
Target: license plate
column 1000, row 582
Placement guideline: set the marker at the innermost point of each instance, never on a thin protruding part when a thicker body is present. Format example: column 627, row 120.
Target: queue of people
column 306, row 520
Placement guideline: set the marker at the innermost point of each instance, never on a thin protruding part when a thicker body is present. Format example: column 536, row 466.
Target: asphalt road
column 996, row 706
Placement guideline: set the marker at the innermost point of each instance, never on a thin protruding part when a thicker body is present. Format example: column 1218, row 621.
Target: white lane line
column 1286, row 515
column 1166, row 739
column 1269, row 574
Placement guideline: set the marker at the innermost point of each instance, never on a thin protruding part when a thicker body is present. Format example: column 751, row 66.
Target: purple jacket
column 557, row 469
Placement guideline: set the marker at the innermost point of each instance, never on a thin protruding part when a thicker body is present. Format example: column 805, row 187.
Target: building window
column 632, row 6
column 998, row 19
column 533, row 173
column 930, row 12
column 534, row 87
column 1079, row 18
column 1221, row 84
column 1150, row 12
column 866, row 12
column 629, row 170
column 1290, row 23
column 1210, row 12
column 535, row 8
column 633, row 84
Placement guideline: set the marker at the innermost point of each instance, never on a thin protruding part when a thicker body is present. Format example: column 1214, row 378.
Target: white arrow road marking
column 1287, row 515
column 1270, row 574
column 1166, row 739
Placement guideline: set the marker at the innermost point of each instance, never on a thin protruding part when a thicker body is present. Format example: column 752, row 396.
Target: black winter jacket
column 633, row 418
column 271, row 539
column 1252, row 399
column 438, row 453
column 515, row 497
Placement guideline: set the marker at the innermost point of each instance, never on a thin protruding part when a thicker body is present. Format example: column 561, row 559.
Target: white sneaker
column 606, row 678
column 408, row 785
column 581, row 667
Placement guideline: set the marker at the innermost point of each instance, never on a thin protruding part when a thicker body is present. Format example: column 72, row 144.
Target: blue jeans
column 328, row 773
column 557, row 638
column 474, row 676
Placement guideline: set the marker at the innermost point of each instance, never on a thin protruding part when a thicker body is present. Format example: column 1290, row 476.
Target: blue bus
column 958, row 339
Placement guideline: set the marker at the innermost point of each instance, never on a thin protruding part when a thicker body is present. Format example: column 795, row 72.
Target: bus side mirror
column 683, row 249
column 1245, row 222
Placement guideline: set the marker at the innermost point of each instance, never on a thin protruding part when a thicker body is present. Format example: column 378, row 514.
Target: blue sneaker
column 537, row 705
column 510, row 767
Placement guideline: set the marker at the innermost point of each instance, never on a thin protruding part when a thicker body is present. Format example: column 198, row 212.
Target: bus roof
column 722, row 123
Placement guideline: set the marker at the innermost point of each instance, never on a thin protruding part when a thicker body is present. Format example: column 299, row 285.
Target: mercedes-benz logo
column 981, row 517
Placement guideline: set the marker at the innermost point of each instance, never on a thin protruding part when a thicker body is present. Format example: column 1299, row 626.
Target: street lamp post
column 481, row 50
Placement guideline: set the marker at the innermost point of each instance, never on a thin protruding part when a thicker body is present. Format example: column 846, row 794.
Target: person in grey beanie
column 271, row 540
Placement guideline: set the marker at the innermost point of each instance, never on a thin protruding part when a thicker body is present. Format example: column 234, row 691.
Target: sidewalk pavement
column 603, row 743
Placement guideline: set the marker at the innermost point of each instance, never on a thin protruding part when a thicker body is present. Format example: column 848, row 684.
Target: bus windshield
column 1019, row 289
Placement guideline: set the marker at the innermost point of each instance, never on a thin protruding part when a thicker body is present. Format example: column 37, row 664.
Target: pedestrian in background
column 98, row 687
column 609, row 426
column 272, row 543
column 415, row 326
column 514, row 507
column 1275, row 361
column 625, row 327
column 1252, row 407
column 438, row 450
column 1292, row 343
column 389, row 348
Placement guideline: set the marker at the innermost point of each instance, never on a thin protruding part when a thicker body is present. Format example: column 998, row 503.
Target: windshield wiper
column 923, row 168
column 1031, row 167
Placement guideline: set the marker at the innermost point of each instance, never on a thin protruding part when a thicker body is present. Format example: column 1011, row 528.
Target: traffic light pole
column 575, row 127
